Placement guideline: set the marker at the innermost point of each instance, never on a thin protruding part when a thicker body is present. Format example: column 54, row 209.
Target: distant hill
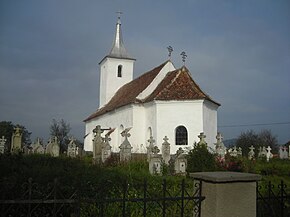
column 230, row 142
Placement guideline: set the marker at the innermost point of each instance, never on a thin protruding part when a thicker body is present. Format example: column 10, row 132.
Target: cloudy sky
column 238, row 52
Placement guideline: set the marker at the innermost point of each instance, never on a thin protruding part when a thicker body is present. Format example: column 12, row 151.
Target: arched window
column 181, row 135
column 119, row 73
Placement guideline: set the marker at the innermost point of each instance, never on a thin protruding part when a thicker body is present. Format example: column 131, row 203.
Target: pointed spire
column 118, row 49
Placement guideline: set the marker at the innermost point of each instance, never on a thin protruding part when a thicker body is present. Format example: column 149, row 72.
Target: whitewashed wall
column 109, row 81
column 210, row 122
column 162, row 117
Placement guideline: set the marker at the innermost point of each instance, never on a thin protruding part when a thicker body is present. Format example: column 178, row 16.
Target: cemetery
column 41, row 164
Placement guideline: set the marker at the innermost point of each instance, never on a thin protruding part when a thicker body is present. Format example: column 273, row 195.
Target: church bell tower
column 116, row 69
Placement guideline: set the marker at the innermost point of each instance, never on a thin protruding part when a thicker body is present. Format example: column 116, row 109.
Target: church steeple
column 118, row 50
column 116, row 69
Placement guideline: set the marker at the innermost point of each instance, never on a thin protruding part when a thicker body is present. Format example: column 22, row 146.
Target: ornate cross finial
column 98, row 131
column 151, row 141
column 165, row 139
column 119, row 14
column 126, row 133
column 170, row 49
column 155, row 150
column 179, row 151
column 183, row 57
column 202, row 137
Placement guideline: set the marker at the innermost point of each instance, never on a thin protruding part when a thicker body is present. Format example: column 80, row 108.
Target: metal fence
column 124, row 199
column 273, row 201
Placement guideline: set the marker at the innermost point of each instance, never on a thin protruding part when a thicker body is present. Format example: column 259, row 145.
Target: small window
column 119, row 73
column 181, row 135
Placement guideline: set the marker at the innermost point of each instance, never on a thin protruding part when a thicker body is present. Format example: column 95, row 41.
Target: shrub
column 199, row 159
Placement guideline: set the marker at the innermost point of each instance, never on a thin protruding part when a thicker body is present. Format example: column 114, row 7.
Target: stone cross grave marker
column 2, row 144
column 125, row 147
column 106, row 149
column 180, row 162
column 202, row 137
column 53, row 147
column 251, row 154
column 98, row 143
column 37, row 147
column 269, row 154
column 16, row 140
column 166, row 150
column 233, row 152
column 72, row 148
column 262, row 152
column 150, row 147
column 283, row 154
column 155, row 162
column 220, row 147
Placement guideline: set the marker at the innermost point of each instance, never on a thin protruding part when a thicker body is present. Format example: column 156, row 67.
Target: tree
column 61, row 130
column 264, row 138
column 7, row 129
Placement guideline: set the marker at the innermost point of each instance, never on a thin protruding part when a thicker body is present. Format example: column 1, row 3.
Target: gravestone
column 166, row 151
column 106, row 149
column 53, row 147
column 180, row 162
column 72, row 148
column 233, row 151
column 125, row 147
column 251, row 154
column 37, row 147
column 283, row 154
column 2, row 145
column 150, row 147
column 269, row 154
column 220, row 147
column 16, row 140
column 98, row 143
column 262, row 152
column 155, row 162
column 239, row 151
column 202, row 141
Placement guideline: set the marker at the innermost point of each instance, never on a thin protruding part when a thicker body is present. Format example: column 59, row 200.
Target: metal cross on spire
column 119, row 14
column 170, row 49
column 183, row 57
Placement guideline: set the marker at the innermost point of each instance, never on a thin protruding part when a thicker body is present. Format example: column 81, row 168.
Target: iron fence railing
column 273, row 201
column 123, row 199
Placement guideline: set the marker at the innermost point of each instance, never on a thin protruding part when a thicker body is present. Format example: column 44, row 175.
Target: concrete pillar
column 227, row 194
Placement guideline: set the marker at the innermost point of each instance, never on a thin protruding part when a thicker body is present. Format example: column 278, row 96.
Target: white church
column 164, row 101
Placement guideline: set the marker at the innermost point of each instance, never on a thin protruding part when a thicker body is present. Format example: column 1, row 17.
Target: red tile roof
column 127, row 94
column 177, row 85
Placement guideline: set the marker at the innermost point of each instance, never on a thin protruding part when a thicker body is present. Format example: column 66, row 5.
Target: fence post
column 227, row 194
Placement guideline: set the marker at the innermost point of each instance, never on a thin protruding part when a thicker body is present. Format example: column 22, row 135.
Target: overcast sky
column 238, row 52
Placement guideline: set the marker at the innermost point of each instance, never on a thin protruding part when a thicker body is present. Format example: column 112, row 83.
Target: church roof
column 177, row 85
